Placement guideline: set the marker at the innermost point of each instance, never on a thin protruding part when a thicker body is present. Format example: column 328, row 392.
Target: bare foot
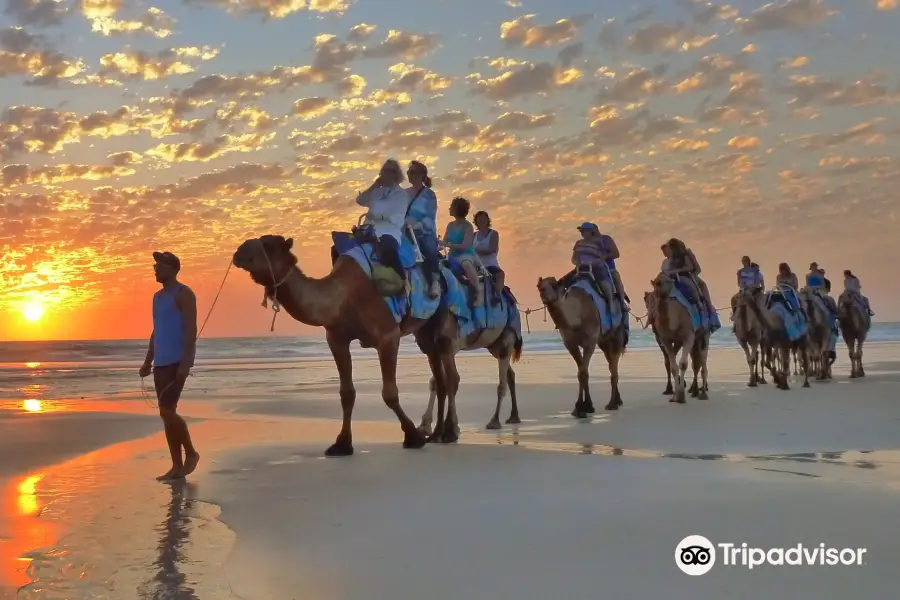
column 176, row 474
column 167, row 475
column 190, row 463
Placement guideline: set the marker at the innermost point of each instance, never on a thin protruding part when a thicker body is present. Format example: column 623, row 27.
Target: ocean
column 52, row 370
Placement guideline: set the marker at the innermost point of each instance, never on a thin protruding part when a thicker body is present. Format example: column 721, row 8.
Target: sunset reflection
column 32, row 365
column 27, row 489
column 33, row 405
column 23, row 527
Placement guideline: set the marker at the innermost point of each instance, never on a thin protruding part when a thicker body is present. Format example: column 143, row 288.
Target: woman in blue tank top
column 459, row 239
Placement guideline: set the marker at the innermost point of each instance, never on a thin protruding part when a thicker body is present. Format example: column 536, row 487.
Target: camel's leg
column 851, row 351
column 340, row 351
column 785, row 371
column 668, row 390
column 694, row 390
column 682, row 370
column 450, row 431
column 514, row 411
column 438, row 384
column 612, row 359
column 804, row 356
column 704, row 371
column 585, row 373
column 387, row 357
column 428, row 415
column 503, row 368
column 750, row 355
column 578, row 412
column 859, row 354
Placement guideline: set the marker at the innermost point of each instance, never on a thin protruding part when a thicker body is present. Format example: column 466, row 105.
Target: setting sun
column 33, row 405
column 33, row 312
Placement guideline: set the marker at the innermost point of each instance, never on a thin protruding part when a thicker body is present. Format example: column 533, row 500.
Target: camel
column 668, row 390
column 779, row 346
column 819, row 335
column 581, row 330
column 675, row 331
column 440, row 339
column 749, row 333
column 854, row 329
column 346, row 302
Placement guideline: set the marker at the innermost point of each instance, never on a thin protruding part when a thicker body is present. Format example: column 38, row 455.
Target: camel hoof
column 435, row 436
column 424, row 429
column 852, row 376
column 339, row 449
column 494, row 424
column 612, row 406
column 806, row 384
column 668, row 391
column 513, row 420
column 694, row 393
column 672, row 399
column 578, row 411
column 752, row 384
column 579, row 415
column 414, row 440
column 703, row 395
column 449, row 437
column 589, row 409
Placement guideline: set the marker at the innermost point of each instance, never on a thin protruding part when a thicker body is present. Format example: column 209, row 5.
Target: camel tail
column 517, row 349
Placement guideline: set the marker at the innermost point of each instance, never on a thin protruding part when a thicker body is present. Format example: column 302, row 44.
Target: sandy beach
column 554, row 507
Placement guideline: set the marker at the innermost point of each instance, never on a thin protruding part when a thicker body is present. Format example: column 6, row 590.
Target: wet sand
column 553, row 506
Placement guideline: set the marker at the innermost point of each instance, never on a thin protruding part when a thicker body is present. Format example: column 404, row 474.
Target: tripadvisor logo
column 696, row 555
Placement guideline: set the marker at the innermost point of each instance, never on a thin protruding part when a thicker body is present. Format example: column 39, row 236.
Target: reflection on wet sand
column 23, row 529
column 169, row 581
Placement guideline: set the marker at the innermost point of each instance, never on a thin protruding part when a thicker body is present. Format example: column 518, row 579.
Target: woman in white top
column 387, row 203
column 487, row 247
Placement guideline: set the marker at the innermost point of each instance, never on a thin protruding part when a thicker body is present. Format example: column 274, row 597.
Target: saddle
column 485, row 280
column 586, row 272
column 386, row 280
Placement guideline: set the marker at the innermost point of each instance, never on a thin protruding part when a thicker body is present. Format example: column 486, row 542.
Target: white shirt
column 484, row 242
column 387, row 210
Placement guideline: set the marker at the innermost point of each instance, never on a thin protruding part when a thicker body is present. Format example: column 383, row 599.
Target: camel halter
column 276, row 306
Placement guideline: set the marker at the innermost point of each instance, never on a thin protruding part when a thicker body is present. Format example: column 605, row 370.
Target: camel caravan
column 393, row 276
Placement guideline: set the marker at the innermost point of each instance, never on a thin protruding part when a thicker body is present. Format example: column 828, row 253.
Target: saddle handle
column 412, row 236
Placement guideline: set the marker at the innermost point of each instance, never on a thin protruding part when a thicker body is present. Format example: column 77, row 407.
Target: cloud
column 310, row 108
column 277, row 9
column 102, row 13
column 813, row 89
column 665, row 38
column 744, row 142
column 887, row 4
column 400, row 44
column 634, row 86
column 409, row 78
column 793, row 63
column 15, row 175
column 143, row 65
column 521, row 32
column 539, row 78
column 790, row 14
column 40, row 13
column 866, row 131
column 25, row 55
column 361, row 32
column 207, row 151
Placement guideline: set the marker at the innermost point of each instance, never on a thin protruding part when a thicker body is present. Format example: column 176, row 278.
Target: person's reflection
column 169, row 582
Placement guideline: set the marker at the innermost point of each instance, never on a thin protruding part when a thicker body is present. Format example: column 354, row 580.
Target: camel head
column 649, row 300
column 751, row 294
column 548, row 288
column 663, row 285
column 268, row 259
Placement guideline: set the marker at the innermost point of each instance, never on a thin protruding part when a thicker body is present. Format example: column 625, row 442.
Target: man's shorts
column 168, row 385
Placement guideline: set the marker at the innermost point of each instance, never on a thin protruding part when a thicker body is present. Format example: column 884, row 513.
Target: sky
column 745, row 128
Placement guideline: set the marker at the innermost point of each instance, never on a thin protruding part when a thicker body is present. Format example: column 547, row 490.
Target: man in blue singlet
column 170, row 358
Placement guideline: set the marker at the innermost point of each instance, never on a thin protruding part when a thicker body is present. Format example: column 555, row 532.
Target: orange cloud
column 278, row 9
column 144, row 65
column 521, row 32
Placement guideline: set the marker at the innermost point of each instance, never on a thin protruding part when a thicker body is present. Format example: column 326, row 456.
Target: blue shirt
column 168, row 328
column 424, row 210
column 750, row 277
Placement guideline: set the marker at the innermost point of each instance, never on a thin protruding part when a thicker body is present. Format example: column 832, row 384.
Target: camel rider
column 587, row 252
column 815, row 283
column 762, row 280
column 788, row 284
column 387, row 202
column 611, row 250
column 853, row 290
column 682, row 262
column 747, row 278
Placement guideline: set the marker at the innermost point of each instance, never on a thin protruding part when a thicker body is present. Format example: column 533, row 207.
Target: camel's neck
column 766, row 319
column 315, row 302
column 561, row 312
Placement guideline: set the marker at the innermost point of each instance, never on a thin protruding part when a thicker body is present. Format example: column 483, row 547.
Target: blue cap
column 588, row 225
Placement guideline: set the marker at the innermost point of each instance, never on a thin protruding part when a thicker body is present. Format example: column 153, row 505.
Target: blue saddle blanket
column 795, row 324
column 418, row 304
column 698, row 319
column 611, row 315
column 488, row 315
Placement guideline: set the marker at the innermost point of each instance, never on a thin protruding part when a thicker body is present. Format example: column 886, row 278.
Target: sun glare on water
column 33, row 405
column 33, row 312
